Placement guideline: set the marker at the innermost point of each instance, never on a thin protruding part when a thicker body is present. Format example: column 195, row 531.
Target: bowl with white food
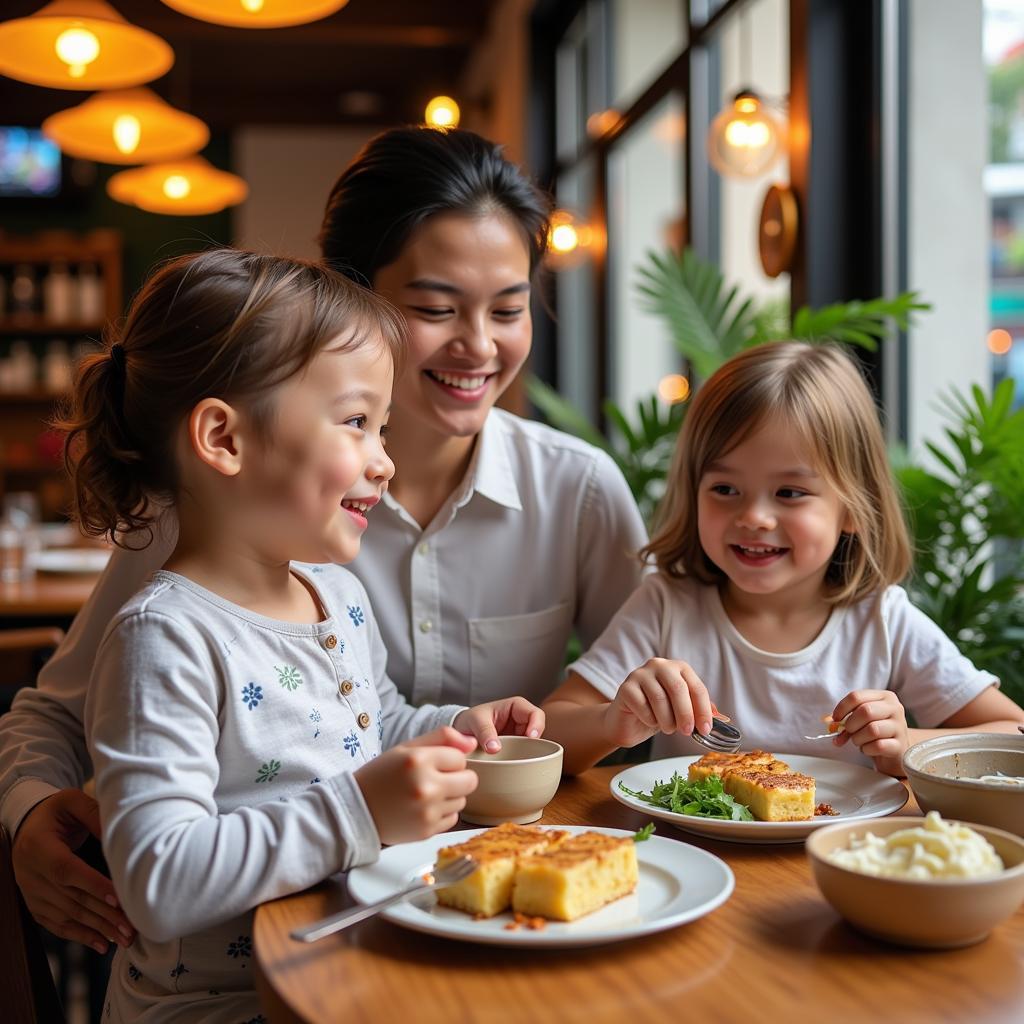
column 921, row 882
column 976, row 777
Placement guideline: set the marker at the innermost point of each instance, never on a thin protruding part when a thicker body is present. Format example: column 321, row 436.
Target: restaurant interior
column 850, row 170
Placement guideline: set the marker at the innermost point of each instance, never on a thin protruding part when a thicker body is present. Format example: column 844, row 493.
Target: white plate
column 84, row 560
column 678, row 883
column 853, row 790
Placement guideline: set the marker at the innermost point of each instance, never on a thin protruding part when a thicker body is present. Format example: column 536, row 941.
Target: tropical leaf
column 708, row 322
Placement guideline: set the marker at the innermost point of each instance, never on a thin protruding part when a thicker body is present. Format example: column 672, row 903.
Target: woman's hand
column 64, row 894
column 877, row 726
column 513, row 716
column 660, row 696
column 417, row 789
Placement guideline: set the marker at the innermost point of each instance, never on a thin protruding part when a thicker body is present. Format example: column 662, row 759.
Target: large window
column 636, row 86
column 1003, row 43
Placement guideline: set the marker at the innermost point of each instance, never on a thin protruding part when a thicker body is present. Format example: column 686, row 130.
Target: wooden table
column 46, row 595
column 776, row 951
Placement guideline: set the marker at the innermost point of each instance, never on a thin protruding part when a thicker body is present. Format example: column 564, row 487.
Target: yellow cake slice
column 575, row 877
column 488, row 890
column 772, row 796
column 721, row 764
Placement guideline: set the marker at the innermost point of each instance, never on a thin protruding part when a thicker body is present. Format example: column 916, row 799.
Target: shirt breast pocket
column 518, row 654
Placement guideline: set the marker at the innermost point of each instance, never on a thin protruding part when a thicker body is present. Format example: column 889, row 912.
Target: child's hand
column 877, row 726
column 660, row 696
column 417, row 789
column 513, row 716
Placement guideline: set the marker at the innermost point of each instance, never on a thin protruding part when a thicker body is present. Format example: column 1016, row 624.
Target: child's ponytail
column 114, row 477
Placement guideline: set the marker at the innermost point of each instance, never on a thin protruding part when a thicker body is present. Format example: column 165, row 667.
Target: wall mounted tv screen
column 30, row 165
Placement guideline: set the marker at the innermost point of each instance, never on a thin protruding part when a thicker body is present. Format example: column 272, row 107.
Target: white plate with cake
column 672, row 883
column 815, row 791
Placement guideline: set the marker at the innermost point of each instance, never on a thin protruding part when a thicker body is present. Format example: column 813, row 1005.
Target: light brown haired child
column 779, row 548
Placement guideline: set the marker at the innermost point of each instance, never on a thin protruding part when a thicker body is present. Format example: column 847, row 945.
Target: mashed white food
column 1003, row 780
column 936, row 849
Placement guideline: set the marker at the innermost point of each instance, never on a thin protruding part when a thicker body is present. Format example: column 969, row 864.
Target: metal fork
column 723, row 738
column 831, row 735
column 454, row 871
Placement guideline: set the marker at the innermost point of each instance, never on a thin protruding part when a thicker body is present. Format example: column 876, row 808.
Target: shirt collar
column 490, row 473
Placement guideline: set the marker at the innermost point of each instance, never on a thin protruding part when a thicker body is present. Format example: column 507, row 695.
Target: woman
column 499, row 538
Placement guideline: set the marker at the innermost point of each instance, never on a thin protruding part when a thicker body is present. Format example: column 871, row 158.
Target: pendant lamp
column 184, row 187
column 257, row 13
column 81, row 44
column 126, row 126
column 745, row 139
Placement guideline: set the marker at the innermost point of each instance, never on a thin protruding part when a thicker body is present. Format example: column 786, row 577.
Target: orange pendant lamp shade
column 184, row 187
column 126, row 126
column 81, row 44
column 257, row 13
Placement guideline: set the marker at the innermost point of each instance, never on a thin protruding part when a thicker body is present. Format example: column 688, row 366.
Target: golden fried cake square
column 575, row 877
column 488, row 890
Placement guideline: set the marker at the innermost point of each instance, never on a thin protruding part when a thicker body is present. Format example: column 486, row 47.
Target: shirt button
column 424, row 548
column 363, row 720
column 426, row 626
column 330, row 642
column 346, row 687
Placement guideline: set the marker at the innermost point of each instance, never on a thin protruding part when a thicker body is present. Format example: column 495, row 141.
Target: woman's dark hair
column 403, row 176
column 225, row 324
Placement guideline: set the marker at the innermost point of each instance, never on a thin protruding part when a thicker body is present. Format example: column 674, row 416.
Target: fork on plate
column 452, row 872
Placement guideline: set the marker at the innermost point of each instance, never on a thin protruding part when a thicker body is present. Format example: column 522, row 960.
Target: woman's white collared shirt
column 539, row 540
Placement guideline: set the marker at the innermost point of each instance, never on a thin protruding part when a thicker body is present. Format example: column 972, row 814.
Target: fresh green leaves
column 965, row 510
column 704, row 799
column 645, row 833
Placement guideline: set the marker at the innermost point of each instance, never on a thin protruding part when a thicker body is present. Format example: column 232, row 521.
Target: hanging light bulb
column 80, row 44
column 126, row 126
column 187, row 187
column 442, row 112
column 744, row 139
column 78, row 48
column 257, row 13
column 127, row 131
column 569, row 239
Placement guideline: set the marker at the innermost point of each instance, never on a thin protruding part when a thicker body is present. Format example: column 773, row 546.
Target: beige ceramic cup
column 516, row 783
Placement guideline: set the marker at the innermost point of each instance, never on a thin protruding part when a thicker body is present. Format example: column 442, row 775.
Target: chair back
column 30, row 996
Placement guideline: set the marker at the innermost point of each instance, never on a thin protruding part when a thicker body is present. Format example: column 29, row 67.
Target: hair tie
column 117, row 358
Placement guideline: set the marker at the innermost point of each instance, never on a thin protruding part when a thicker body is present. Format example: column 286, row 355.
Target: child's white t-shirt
column 880, row 642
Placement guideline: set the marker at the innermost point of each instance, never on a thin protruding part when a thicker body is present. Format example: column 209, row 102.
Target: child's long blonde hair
column 821, row 394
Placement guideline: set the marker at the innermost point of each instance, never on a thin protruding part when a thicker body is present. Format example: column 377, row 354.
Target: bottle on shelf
column 90, row 294
column 57, row 366
column 58, row 293
column 23, row 289
column 22, row 367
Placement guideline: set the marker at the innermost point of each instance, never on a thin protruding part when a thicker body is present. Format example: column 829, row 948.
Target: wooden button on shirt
column 346, row 687
column 330, row 642
column 363, row 720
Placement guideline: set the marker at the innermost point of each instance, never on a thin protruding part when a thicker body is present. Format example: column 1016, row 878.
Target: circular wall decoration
column 776, row 233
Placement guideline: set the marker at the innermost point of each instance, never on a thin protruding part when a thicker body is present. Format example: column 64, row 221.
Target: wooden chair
column 30, row 995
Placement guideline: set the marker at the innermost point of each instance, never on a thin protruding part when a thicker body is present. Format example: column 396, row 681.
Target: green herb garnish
column 645, row 833
column 704, row 799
